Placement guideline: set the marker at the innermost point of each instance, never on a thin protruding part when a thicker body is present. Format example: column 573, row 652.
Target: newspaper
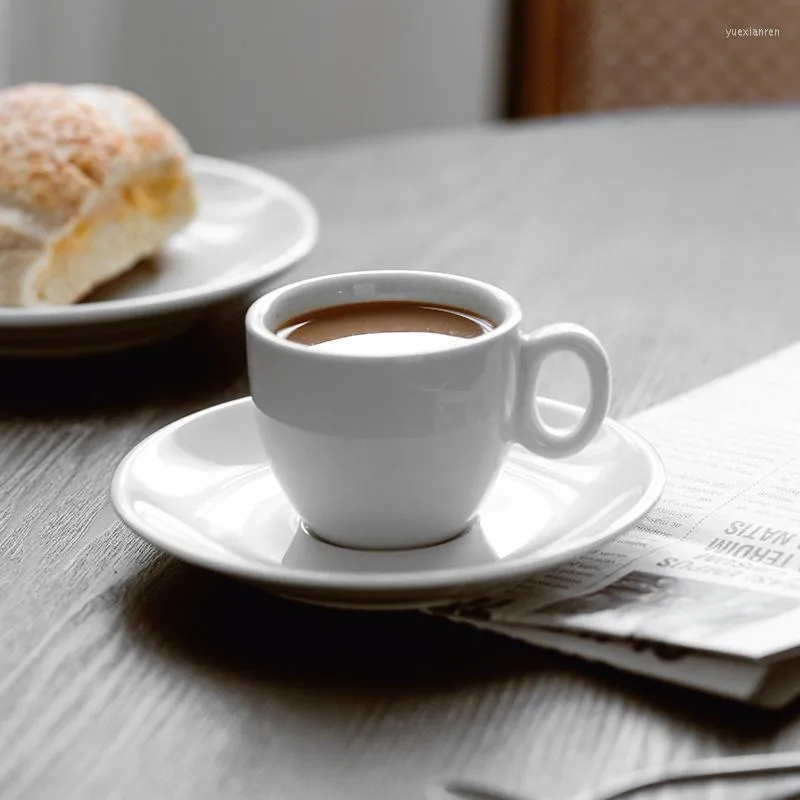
column 705, row 590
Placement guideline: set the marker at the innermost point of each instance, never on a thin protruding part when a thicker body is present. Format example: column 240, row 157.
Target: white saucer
column 202, row 490
column 249, row 228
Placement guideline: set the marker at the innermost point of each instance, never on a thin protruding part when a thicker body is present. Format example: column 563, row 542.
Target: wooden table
column 125, row 674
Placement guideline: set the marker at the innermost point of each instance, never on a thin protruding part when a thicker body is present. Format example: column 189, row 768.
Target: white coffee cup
column 398, row 451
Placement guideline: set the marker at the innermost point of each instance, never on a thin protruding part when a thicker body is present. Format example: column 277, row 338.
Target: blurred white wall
column 5, row 55
column 238, row 76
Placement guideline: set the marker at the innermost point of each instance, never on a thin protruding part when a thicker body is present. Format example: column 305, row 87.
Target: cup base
column 306, row 528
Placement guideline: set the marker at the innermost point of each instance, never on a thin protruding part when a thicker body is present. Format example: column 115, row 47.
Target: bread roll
column 92, row 179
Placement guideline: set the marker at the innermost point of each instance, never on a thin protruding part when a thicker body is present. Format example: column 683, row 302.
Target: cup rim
column 256, row 328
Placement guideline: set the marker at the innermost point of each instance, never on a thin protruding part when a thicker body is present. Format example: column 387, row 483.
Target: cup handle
column 531, row 430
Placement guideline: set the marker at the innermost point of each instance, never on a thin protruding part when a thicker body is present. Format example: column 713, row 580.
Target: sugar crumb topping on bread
column 61, row 145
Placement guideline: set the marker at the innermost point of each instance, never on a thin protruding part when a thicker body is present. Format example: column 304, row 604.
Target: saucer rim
column 305, row 581
column 78, row 315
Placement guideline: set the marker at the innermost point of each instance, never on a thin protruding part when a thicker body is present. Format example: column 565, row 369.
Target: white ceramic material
column 249, row 228
column 203, row 490
column 390, row 451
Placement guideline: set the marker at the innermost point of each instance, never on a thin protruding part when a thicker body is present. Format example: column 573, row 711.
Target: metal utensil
column 737, row 767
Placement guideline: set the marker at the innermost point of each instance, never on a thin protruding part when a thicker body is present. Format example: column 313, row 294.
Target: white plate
column 250, row 226
column 202, row 489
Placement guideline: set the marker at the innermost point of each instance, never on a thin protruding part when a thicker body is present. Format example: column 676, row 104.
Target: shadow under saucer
column 232, row 630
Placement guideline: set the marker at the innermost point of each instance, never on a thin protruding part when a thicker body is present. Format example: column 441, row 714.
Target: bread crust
column 72, row 155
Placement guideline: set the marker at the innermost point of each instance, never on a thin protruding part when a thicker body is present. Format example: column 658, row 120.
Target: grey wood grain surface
column 125, row 674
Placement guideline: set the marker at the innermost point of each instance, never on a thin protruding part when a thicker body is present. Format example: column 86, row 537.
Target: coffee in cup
column 384, row 327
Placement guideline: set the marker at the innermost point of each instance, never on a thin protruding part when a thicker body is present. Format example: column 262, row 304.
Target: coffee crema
column 386, row 327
